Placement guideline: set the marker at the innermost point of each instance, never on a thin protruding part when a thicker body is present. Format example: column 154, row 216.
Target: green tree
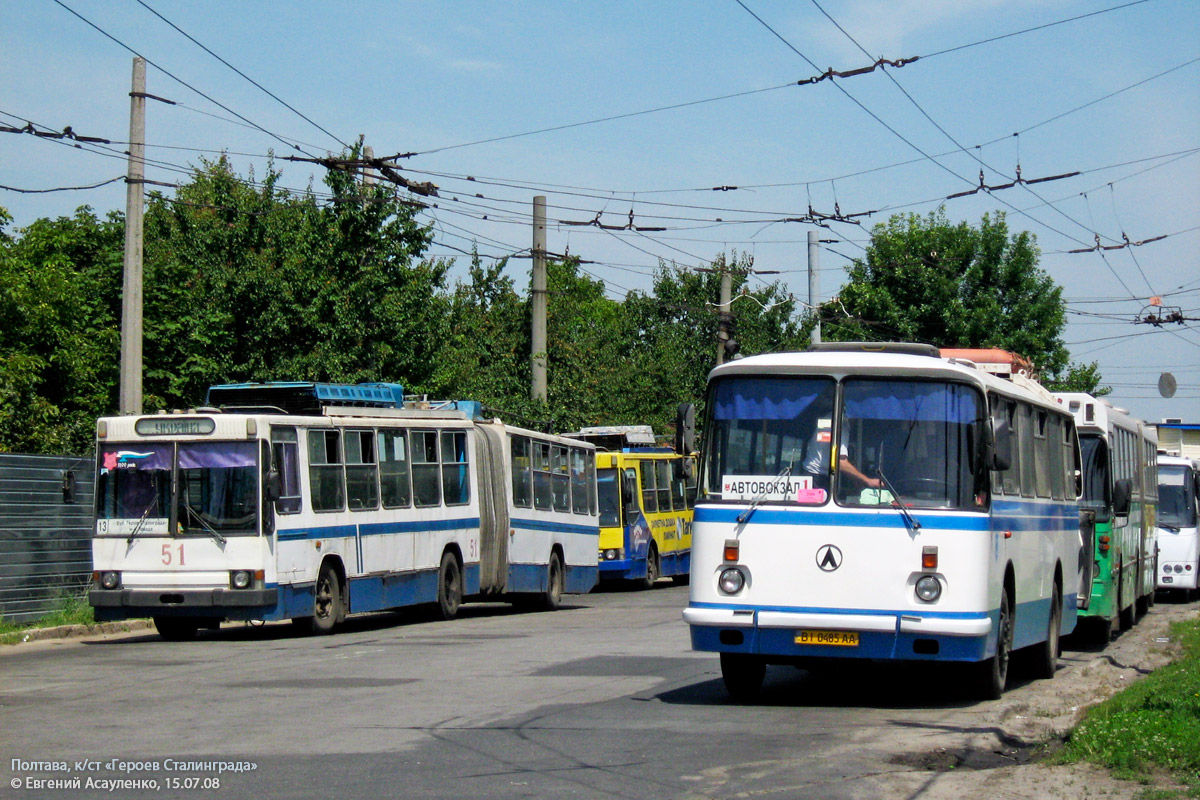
column 924, row 279
column 60, row 306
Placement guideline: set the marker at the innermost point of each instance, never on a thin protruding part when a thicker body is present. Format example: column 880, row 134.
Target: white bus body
column 1178, row 508
column 252, row 515
column 972, row 562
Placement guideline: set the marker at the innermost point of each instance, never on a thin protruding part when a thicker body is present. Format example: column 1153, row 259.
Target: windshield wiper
column 910, row 521
column 761, row 497
column 204, row 526
column 137, row 529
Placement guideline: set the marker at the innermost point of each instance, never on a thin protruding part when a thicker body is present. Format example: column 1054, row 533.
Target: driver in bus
column 819, row 448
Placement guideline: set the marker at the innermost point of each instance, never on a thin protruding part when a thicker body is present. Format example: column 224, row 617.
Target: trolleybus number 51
column 172, row 553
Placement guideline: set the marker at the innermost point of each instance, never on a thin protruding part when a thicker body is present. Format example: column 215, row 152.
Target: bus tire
column 327, row 603
column 176, row 629
column 552, row 598
column 1046, row 662
column 742, row 674
column 653, row 570
column 993, row 673
column 1125, row 613
column 450, row 587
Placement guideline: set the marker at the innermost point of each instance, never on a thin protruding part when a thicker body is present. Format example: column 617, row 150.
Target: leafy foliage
column 245, row 281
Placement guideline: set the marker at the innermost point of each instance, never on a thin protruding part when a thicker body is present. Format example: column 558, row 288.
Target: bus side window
column 1012, row 475
column 522, row 479
column 662, row 470
column 580, row 496
column 456, row 483
column 1024, row 431
column 394, row 470
column 325, row 473
column 541, row 476
column 1041, row 452
column 285, row 450
column 649, row 495
column 362, row 471
column 678, row 482
column 692, row 486
column 560, row 481
column 426, row 471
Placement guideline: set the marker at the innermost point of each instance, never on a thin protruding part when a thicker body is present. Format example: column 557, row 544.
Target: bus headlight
column 612, row 554
column 110, row 579
column 731, row 581
column 929, row 588
column 241, row 579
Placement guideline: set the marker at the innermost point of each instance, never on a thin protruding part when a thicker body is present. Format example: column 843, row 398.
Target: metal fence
column 45, row 532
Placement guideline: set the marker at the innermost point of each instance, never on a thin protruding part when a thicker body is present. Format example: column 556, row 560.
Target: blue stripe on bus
column 561, row 527
column 377, row 529
column 849, row 611
column 772, row 516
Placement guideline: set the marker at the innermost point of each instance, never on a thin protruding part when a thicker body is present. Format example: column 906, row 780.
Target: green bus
column 1120, row 493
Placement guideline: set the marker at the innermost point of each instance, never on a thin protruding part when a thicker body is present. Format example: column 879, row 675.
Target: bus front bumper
column 148, row 601
column 876, row 635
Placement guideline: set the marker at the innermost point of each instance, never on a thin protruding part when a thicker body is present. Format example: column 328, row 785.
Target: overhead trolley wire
column 267, row 91
column 182, row 82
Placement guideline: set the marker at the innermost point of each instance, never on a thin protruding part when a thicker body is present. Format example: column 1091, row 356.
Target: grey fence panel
column 45, row 532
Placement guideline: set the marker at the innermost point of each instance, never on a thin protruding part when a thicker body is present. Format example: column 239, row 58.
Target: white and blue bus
column 882, row 502
column 1178, row 536
column 310, row 501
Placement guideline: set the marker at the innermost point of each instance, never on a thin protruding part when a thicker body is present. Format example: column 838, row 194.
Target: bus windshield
column 609, row 494
column 1094, row 455
column 1176, row 501
column 773, row 440
column 216, row 490
column 924, row 436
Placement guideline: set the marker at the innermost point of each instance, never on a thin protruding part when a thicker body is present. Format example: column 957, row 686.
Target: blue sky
column 1114, row 96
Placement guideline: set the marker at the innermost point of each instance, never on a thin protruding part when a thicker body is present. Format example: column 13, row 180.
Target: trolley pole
column 814, row 283
column 131, row 293
column 538, row 292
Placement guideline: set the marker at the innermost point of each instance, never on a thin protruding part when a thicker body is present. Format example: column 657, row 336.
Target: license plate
column 834, row 638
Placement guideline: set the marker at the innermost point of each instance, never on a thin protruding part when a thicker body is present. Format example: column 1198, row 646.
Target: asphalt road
column 601, row 699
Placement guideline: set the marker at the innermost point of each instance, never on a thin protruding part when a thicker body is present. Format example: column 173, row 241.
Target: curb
column 73, row 631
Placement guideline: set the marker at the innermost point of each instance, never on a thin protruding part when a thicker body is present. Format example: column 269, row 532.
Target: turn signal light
column 929, row 558
column 731, row 549
column 1104, row 540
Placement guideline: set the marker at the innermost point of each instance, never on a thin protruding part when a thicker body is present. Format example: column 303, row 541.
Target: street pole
column 814, row 283
column 538, row 292
column 131, row 293
column 724, row 313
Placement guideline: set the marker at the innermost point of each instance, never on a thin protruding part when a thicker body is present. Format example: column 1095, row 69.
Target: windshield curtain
column 134, row 481
column 763, row 428
column 1176, row 497
column 217, row 486
column 925, row 437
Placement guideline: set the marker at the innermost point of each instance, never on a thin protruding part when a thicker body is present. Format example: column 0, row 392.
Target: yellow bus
column 646, row 494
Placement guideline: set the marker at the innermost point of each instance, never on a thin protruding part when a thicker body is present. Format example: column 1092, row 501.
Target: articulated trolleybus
column 1178, row 508
column 311, row 501
column 882, row 502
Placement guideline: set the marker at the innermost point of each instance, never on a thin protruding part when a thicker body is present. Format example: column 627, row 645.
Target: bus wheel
column 176, row 629
column 327, row 603
column 1125, row 613
column 993, row 673
column 552, row 598
column 743, row 675
column 450, row 588
column 1048, row 651
column 653, row 571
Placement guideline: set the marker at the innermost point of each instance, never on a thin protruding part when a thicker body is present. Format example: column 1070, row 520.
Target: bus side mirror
column 685, row 429
column 1001, row 445
column 1122, row 493
column 274, row 487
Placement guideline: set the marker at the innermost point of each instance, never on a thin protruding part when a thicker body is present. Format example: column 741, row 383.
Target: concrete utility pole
column 724, row 313
column 814, row 282
column 538, row 292
column 131, row 294
column 368, row 175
